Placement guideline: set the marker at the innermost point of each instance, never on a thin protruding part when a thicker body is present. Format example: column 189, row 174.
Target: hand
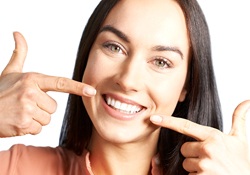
column 24, row 104
column 214, row 152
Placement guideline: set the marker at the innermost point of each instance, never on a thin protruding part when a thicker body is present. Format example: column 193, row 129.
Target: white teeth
column 123, row 107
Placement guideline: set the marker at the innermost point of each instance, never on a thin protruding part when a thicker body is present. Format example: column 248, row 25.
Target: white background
column 53, row 30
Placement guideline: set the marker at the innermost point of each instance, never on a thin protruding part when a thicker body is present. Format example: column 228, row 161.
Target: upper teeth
column 124, row 107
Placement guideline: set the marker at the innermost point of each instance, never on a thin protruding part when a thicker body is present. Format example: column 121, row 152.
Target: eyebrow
column 124, row 37
column 168, row 48
column 117, row 32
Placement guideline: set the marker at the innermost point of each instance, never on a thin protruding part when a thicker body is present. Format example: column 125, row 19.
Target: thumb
column 239, row 120
column 19, row 54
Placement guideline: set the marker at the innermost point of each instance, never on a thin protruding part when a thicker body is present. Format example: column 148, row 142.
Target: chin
column 118, row 134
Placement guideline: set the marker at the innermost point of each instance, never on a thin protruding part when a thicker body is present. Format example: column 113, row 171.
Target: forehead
column 154, row 21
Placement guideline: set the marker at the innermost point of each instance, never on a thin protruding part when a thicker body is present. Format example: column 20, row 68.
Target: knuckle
column 36, row 130
column 183, row 148
column 207, row 149
column 78, row 87
column 216, row 135
column 60, row 83
column 210, row 146
column 203, row 165
column 24, row 116
column 28, row 77
column 27, row 92
column 46, row 120
column 23, row 123
column 53, row 106
column 186, row 126
column 27, row 109
column 26, row 89
column 185, row 164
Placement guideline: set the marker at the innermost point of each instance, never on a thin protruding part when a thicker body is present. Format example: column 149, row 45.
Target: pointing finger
column 61, row 84
column 183, row 126
column 19, row 54
column 239, row 120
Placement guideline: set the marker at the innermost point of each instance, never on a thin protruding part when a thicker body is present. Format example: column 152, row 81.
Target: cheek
column 166, row 95
column 166, row 102
column 92, row 74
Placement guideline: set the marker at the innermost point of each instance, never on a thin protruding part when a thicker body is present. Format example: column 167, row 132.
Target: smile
column 122, row 107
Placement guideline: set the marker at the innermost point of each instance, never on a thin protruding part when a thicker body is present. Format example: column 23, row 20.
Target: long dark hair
column 201, row 104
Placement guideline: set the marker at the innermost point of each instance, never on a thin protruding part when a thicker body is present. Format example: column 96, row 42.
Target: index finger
column 183, row 126
column 66, row 85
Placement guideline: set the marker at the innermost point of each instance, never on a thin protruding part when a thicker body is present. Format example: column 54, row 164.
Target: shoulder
column 42, row 160
column 35, row 154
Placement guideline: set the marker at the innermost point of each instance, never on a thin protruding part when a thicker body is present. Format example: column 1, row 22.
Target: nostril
column 127, row 85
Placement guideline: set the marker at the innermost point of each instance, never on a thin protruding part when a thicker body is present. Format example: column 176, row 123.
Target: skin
column 134, row 70
column 213, row 152
column 24, row 94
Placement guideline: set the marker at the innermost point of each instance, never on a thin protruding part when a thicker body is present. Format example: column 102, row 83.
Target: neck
column 122, row 158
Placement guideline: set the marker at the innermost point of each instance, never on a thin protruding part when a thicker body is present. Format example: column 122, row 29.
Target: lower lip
column 119, row 115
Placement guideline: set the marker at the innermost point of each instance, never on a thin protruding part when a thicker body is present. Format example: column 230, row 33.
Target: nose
column 130, row 77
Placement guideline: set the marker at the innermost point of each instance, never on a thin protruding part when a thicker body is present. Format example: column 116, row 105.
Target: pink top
column 30, row 160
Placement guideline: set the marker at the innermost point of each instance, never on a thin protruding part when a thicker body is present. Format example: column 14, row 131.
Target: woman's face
column 138, row 64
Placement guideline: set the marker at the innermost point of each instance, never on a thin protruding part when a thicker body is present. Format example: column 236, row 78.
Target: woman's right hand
column 24, row 104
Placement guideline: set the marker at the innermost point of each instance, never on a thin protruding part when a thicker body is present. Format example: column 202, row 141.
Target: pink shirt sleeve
column 30, row 160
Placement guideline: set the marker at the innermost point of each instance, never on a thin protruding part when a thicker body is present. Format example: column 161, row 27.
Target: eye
column 161, row 63
column 113, row 47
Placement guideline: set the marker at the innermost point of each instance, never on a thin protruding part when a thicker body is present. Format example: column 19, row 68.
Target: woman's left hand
column 214, row 152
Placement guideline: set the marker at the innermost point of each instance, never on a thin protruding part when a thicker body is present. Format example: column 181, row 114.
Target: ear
column 183, row 95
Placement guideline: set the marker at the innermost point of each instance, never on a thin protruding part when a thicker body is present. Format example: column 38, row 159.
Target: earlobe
column 183, row 95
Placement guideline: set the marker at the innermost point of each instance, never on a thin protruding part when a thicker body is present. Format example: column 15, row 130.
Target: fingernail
column 156, row 119
column 89, row 91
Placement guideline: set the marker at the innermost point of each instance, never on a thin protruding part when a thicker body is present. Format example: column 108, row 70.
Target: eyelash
column 110, row 45
column 167, row 63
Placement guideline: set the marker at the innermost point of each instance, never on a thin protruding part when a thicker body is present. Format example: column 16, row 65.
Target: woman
column 134, row 64
column 200, row 107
